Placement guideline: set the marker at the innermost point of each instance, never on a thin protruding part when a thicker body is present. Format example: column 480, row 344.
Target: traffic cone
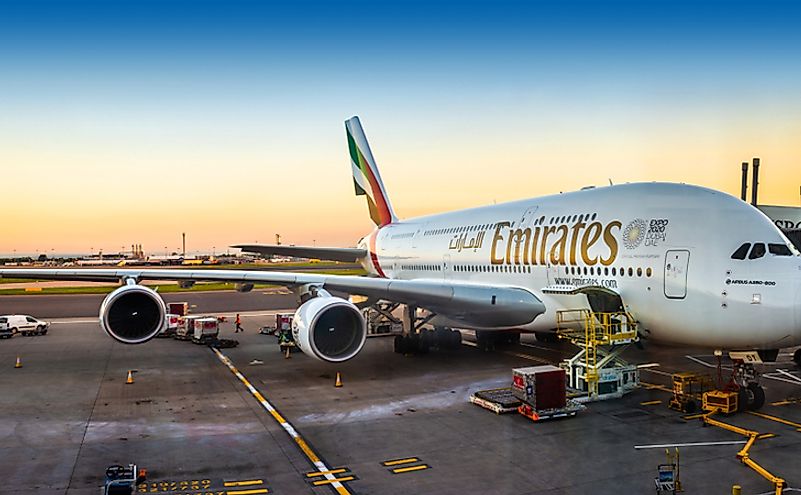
column 18, row 364
column 129, row 381
column 338, row 383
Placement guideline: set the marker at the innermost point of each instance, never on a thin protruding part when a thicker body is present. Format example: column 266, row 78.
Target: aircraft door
column 676, row 264
column 446, row 266
column 417, row 235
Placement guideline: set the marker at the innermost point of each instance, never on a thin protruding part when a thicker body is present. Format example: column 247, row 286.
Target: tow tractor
column 122, row 480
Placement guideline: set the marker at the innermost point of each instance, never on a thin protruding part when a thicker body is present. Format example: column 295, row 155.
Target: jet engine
column 133, row 314
column 329, row 329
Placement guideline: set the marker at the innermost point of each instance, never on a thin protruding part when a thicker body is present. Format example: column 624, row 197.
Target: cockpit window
column 741, row 252
column 757, row 251
column 779, row 250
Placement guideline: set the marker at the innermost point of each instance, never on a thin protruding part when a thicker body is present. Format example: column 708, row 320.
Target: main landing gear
column 422, row 341
column 418, row 340
column 487, row 340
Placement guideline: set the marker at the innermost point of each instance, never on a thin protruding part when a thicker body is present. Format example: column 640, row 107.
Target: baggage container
column 178, row 308
column 283, row 321
column 541, row 387
column 205, row 330
column 171, row 327
column 186, row 327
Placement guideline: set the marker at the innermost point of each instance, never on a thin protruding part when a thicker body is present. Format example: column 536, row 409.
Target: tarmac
column 398, row 425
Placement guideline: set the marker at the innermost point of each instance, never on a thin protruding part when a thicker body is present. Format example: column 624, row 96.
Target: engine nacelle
column 329, row 328
column 133, row 314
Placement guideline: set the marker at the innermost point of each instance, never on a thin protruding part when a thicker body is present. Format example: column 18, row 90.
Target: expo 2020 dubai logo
column 634, row 233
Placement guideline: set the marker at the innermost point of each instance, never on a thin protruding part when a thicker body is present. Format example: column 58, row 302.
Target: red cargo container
column 542, row 387
column 178, row 308
column 283, row 321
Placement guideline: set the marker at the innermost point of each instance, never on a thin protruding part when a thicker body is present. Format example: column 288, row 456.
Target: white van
column 24, row 324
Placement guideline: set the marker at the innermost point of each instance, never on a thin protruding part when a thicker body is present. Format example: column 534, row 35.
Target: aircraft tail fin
column 366, row 178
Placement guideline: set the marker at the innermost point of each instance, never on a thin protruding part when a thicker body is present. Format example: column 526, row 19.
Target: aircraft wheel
column 455, row 340
column 399, row 344
column 757, row 394
column 486, row 339
column 413, row 345
column 423, row 343
column 797, row 357
column 743, row 399
column 546, row 337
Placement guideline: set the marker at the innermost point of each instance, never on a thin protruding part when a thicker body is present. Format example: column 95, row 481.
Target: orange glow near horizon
column 78, row 197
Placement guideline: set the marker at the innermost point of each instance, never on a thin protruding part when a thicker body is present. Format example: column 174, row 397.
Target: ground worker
column 238, row 324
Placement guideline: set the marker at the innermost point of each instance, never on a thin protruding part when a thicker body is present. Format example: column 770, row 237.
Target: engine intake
column 329, row 328
column 133, row 314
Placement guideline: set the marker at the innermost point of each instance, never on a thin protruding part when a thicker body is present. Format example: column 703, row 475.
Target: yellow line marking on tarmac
column 321, row 473
column 764, row 436
column 315, row 460
column 693, row 416
column 277, row 415
column 774, row 418
column 651, row 403
column 395, row 462
column 654, row 386
column 308, row 451
column 411, row 468
column 244, row 483
column 514, row 354
column 247, row 492
column 785, row 402
column 335, row 480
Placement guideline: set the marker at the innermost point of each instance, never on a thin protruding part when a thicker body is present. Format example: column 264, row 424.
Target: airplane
column 693, row 266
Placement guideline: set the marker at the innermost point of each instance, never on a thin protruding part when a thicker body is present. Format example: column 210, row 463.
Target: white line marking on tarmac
column 700, row 361
column 695, row 444
column 771, row 376
column 789, row 375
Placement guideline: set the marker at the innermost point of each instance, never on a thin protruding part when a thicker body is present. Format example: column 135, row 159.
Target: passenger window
column 30, row 320
column 779, row 250
column 741, row 252
column 757, row 251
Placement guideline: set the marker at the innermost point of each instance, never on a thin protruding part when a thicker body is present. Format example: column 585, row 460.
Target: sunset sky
column 131, row 122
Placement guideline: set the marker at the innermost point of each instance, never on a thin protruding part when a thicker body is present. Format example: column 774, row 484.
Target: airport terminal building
column 787, row 218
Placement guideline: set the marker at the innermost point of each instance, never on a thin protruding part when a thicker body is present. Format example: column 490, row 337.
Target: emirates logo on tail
column 366, row 178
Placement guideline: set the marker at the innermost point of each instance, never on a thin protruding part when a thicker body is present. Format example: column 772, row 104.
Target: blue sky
column 98, row 96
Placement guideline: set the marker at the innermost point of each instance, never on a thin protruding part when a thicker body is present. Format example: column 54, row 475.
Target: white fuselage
column 666, row 249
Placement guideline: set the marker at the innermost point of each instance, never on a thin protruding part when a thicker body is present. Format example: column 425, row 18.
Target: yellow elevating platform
column 597, row 368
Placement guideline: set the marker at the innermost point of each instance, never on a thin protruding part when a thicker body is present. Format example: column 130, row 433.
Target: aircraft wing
column 486, row 305
column 323, row 253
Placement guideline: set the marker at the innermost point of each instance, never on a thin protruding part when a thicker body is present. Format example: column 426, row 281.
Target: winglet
column 366, row 178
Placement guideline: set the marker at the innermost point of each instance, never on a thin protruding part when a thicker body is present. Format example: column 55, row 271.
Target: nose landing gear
column 745, row 381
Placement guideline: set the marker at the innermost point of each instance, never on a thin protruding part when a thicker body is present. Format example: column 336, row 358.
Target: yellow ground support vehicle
column 687, row 390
